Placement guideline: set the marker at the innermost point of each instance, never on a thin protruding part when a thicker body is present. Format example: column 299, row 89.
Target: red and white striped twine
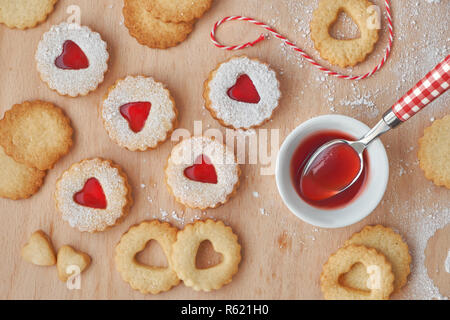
column 297, row 49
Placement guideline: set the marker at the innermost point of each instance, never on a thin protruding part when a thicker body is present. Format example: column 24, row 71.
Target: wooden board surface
column 282, row 256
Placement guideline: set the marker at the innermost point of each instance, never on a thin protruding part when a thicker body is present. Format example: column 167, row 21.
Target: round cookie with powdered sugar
column 72, row 59
column 202, row 173
column 138, row 113
column 93, row 195
column 242, row 93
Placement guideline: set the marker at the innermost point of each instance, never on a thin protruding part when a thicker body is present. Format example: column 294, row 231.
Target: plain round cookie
column 341, row 262
column 185, row 250
column 150, row 31
column 178, row 10
column 391, row 245
column 349, row 52
column 161, row 119
column 145, row 278
column 18, row 181
column 24, row 14
column 36, row 133
column 434, row 152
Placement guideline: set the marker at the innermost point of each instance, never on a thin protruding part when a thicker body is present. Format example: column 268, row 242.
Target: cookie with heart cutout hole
column 145, row 278
column 72, row 59
column 138, row 113
column 202, row 173
column 93, row 195
column 381, row 281
column 242, row 93
column 391, row 245
column 39, row 250
column 350, row 52
column 223, row 240
column 23, row 14
column 71, row 262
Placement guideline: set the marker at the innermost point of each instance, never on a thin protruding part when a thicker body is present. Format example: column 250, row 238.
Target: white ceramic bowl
column 364, row 203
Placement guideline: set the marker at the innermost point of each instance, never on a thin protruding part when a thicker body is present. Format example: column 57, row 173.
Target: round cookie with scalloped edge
column 242, row 93
column 349, row 52
column 434, row 152
column 202, row 173
column 150, row 31
column 17, row 180
column 36, row 133
column 72, row 59
column 93, row 195
column 23, row 14
column 138, row 113
column 145, row 278
column 185, row 250
column 391, row 245
column 341, row 262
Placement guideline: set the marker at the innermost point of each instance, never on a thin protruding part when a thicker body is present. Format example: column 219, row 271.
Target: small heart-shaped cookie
column 39, row 250
column 68, row 257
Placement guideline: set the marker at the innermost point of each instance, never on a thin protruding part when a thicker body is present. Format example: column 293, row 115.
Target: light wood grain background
column 282, row 256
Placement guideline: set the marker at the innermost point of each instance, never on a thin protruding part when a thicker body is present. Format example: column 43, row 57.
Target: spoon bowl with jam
column 337, row 165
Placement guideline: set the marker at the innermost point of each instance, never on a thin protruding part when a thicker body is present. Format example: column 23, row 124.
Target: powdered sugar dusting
column 72, row 82
column 160, row 119
column 198, row 194
column 73, row 180
column 426, row 223
column 240, row 114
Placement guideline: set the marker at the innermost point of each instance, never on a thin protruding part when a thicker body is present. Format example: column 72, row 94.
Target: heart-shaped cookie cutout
column 136, row 113
column 202, row 171
column 39, row 250
column 72, row 57
column 207, row 257
column 244, row 90
column 380, row 277
column 71, row 262
column 91, row 195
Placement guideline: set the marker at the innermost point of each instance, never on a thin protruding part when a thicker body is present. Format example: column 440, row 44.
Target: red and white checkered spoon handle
column 435, row 83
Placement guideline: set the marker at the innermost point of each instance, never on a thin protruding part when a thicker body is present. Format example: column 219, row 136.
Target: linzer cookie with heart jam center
column 138, row 113
column 72, row 59
column 202, row 173
column 242, row 93
column 93, row 195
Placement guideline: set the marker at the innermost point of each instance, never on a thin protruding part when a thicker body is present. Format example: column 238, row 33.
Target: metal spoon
column 435, row 83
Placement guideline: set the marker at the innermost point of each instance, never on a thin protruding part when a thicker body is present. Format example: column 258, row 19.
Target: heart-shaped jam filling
column 201, row 171
column 136, row 114
column 72, row 57
column 91, row 195
column 244, row 90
